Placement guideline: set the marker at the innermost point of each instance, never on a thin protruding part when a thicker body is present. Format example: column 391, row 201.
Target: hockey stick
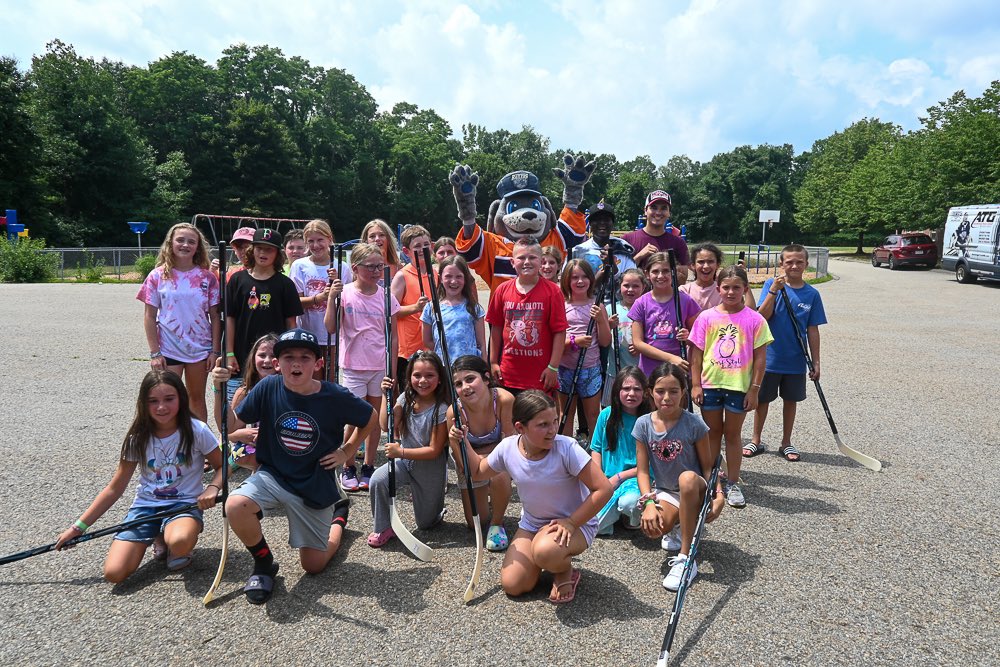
column 86, row 537
column 470, row 590
column 598, row 301
column 416, row 547
column 863, row 459
column 678, row 315
column 339, row 251
column 224, row 428
column 675, row 613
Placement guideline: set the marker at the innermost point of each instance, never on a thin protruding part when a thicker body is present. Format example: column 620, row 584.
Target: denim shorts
column 715, row 399
column 587, row 384
column 147, row 532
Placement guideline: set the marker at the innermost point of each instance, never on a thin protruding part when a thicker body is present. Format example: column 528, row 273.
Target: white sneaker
column 673, row 579
column 735, row 497
column 672, row 540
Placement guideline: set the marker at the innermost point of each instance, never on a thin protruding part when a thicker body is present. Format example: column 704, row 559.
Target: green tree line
column 87, row 145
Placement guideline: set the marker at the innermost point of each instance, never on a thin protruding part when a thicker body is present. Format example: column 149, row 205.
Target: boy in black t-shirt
column 301, row 426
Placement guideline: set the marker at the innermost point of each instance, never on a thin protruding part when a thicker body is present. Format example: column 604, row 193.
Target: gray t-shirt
column 419, row 429
column 672, row 452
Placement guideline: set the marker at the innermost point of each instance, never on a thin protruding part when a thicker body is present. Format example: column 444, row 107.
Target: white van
column 972, row 242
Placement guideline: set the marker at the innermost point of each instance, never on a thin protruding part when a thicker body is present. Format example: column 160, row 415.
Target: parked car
column 913, row 248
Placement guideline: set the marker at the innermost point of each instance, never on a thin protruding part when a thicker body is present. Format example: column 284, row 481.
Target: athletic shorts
column 307, row 527
column 587, row 384
column 669, row 497
column 791, row 387
column 232, row 384
column 716, row 399
column 147, row 532
column 362, row 383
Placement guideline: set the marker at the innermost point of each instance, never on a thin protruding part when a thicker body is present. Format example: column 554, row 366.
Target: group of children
column 661, row 350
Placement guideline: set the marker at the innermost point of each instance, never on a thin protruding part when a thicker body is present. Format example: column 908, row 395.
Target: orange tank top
column 411, row 336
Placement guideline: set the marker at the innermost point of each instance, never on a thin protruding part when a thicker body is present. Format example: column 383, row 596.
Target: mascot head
column 522, row 210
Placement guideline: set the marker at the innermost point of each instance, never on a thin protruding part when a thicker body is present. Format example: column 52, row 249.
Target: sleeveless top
column 479, row 442
column 408, row 327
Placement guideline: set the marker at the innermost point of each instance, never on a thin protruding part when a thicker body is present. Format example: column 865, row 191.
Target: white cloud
column 626, row 77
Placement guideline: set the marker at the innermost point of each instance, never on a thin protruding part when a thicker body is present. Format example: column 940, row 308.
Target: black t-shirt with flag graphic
column 296, row 431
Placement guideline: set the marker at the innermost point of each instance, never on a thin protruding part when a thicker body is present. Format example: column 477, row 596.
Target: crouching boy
column 301, row 426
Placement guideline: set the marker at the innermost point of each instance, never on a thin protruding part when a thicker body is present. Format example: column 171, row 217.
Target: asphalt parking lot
column 829, row 564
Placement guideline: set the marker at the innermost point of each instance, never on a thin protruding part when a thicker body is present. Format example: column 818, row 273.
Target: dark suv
column 906, row 249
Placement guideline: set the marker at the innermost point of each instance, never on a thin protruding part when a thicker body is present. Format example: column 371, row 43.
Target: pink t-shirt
column 705, row 297
column 182, row 303
column 578, row 317
column 362, row 347
column 728, row 341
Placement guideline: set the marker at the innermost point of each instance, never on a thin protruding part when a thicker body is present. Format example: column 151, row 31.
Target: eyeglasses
column 373, row 267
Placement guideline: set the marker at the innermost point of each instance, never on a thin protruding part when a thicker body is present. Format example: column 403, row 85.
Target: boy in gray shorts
column 299, row 439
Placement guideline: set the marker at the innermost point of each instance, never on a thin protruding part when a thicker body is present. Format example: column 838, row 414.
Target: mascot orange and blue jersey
column 521, row 211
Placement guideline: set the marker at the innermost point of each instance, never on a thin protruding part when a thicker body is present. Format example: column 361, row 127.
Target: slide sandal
column 260, row 586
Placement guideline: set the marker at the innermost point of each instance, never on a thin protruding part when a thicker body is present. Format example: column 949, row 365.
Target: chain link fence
column 763, row 261
column 112, row 262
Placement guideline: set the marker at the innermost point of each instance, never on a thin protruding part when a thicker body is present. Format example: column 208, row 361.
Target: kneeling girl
column 561, row 491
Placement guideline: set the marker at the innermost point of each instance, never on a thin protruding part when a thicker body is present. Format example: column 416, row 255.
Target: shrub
column 91, row 271
column 145, row 264
column 23, row 261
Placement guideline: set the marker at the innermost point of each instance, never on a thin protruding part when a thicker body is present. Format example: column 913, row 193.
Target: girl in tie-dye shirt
column 728, row 345
column 181, row 320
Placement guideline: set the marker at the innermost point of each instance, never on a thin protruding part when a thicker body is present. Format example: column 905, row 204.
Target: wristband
column 81, row 526
column 755, row 385
column 572, row 342
column 207, row 486
column 647, row 501
column 552, row 368
column 216, row 353
column 772, row 293
column 155, row 355
column 230, row 354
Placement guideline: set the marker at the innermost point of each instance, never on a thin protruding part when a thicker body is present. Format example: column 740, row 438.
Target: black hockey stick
column 470, row 591
column 86, row 537
column 598, row 301
column 677, row 314
column 675, row 613
column 863, row 459
column 416, row 547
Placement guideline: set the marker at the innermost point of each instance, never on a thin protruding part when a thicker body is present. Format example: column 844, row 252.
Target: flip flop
column 573, row 582
column 179, row 563
column 752, row 449
column 790, row 453
column 260, row 586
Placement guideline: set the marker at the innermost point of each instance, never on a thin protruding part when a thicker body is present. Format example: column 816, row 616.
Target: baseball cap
column 602, row 208
column 517, row 182
column 297, row 338
column 243, row 234
column 658, row 195
column 265, row 236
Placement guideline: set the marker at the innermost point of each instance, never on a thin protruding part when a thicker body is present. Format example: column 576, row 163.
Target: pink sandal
column 377, row 540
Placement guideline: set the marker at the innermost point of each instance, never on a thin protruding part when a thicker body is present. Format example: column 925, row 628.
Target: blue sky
column 660, row 78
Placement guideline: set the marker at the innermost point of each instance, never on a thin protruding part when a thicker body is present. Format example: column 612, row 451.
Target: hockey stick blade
column 863, row 459
column 416, row 547
column 210, row 595
column 470, row 591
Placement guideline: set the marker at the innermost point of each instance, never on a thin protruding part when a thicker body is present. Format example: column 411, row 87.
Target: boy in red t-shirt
column 527, row 320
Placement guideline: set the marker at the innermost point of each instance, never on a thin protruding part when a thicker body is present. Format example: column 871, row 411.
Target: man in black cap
column 602, row 245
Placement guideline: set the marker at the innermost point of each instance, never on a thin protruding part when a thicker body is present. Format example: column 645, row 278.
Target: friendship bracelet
column 552, row 368
column 215, row 485
column 81, row 526
column 772, row 293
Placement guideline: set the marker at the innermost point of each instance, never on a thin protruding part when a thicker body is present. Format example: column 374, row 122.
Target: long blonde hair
column 165, row 258
column 390, row 253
